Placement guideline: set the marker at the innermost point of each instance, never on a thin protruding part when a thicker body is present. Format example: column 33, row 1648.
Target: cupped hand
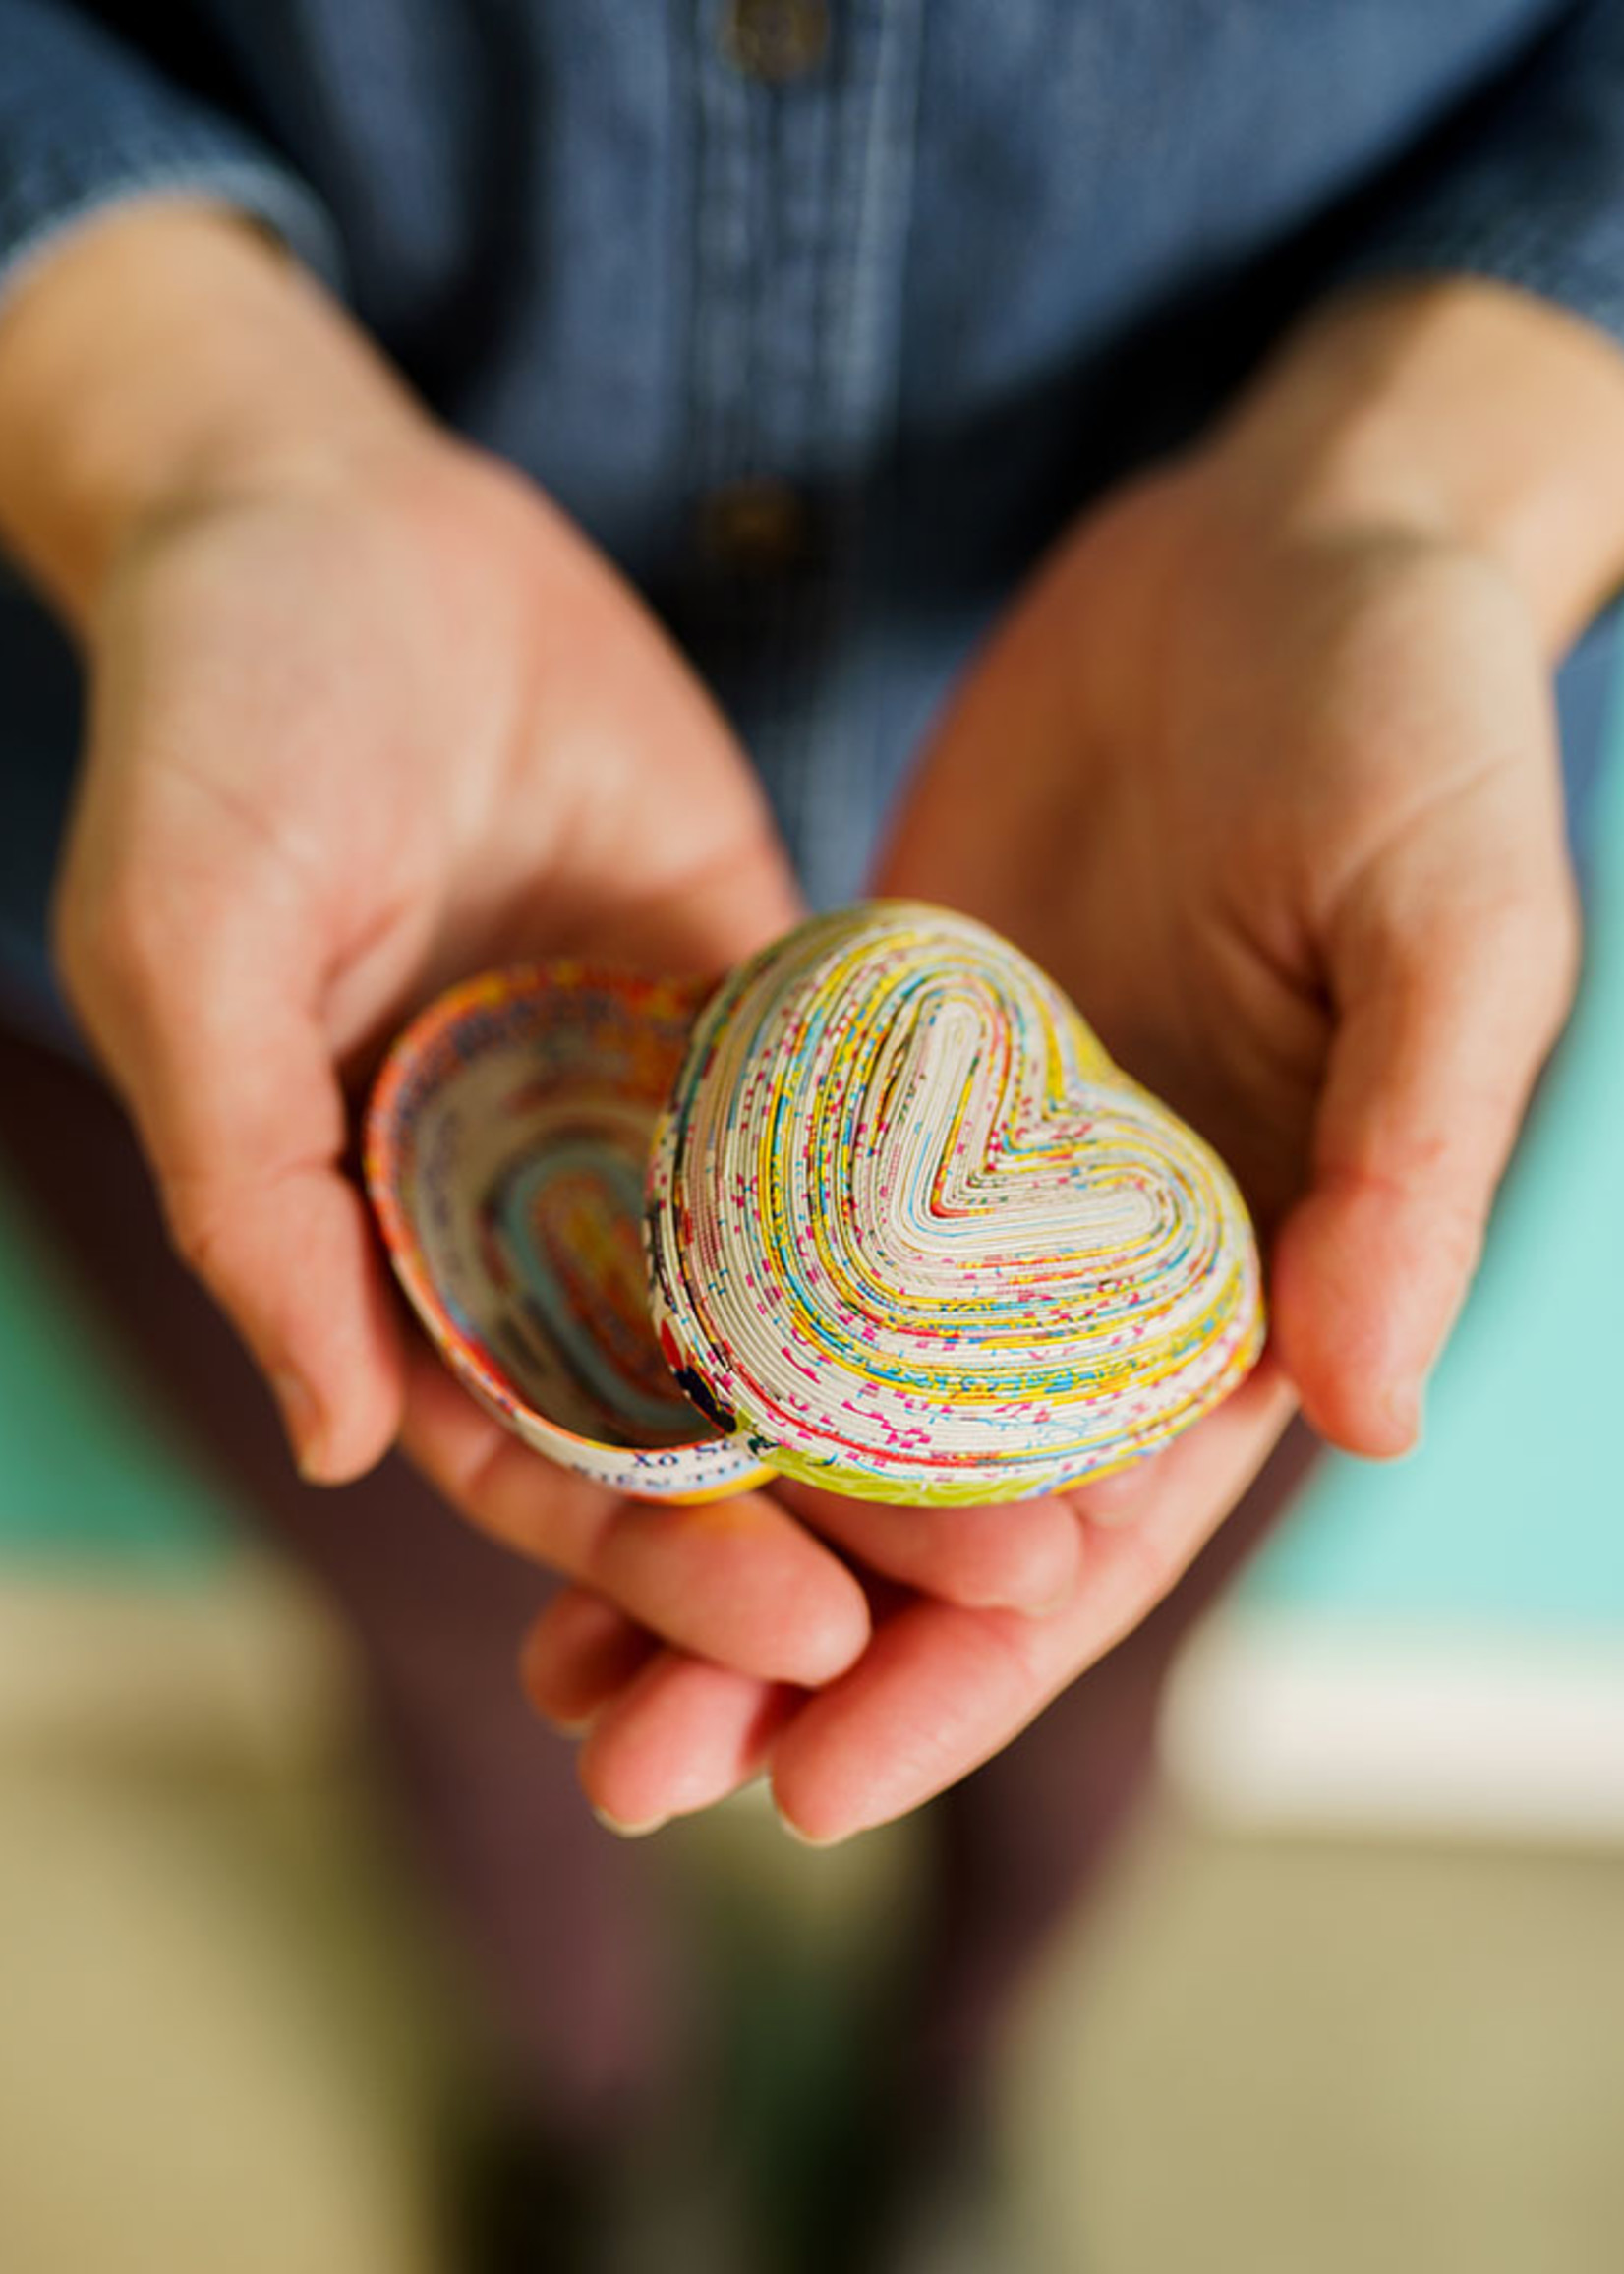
column 1265, row 773
column 1280, row 806
column 368, row 714
column 351, row 738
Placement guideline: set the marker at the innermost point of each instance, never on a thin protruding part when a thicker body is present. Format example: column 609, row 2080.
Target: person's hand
column 1280, row 806
column 367, row 715
column 1263, row 769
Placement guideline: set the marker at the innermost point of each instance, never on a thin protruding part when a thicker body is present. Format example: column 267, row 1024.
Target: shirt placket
column 802, row 117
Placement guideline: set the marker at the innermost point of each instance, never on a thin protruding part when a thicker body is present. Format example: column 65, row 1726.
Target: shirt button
column 760, row 526
column 776, row 39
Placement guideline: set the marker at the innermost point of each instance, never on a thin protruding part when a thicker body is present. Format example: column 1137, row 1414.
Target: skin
column 1277, row 801
column 368, row 713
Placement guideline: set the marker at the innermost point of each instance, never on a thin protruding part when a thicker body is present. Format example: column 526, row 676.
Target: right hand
column 353, row 738
column 367, row 715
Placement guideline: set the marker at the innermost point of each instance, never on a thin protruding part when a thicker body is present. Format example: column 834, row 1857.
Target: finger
column 737, row 1579
column 737, row 898
column 1447, row 1014
column 1118, row 1497
column 683, row 1736
column 581, row 1651
column 1023, row 1555
column 199, row 996
column 941, row 1688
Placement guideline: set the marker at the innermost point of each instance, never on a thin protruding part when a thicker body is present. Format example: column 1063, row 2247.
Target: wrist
column 164, row 357
column 1457, row 412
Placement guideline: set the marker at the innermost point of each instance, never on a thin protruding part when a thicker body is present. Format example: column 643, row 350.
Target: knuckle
column 1541, row 953
column 137, row 934
column 115, row 941
column 199, row 1226
column 1564, row 952
column 1525, row 945
column 75, row 949
column 1456, row 1233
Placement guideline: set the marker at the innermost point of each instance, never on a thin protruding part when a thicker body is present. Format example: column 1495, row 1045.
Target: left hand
column 1262, row 768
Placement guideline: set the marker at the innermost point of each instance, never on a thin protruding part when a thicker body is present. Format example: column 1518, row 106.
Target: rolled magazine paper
column 506, row 1150
column 916, row 1237
column 908, row 1233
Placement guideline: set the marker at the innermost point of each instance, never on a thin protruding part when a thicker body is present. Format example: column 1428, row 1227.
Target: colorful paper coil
column 912, row 1235
column 506, row 1154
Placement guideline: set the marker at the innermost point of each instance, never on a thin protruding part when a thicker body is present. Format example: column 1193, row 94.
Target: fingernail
column 1402, row 1406
column 302, row 1418
column 1024, row 1602
column 1050, row 1604
column 627, row 1831
column 807, row 1839
column 1056, row 1597
column 1119, row 1497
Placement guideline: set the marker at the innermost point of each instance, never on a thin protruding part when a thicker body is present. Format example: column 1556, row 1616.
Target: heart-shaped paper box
column 877, row 1211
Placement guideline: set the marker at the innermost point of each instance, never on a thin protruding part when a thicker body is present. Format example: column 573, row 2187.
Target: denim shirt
column 822, row 315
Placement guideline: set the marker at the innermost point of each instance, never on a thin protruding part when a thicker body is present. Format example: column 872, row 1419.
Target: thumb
column 1447, row 1005
column 709, row 917
column 198, row 991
